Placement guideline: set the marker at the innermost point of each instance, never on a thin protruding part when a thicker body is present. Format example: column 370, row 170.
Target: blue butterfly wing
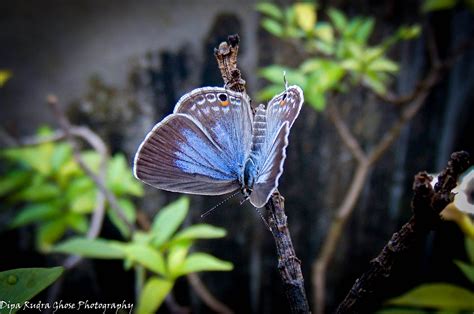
column 179, row 155
column 271, row 129
column 227, row 117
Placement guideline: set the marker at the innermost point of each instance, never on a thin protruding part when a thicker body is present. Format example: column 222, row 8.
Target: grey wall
column 55, row 46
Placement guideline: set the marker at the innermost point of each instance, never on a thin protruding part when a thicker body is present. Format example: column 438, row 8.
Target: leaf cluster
column 339, row 49
column 164, row 251
column 47, row 188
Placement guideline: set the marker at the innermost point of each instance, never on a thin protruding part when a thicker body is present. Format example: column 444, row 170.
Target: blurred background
column 396, row 75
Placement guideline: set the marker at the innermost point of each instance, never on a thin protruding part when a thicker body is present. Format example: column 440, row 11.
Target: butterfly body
column 212, row 144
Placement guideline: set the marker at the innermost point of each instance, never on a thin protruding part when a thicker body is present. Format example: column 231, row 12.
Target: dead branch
column 427, row 203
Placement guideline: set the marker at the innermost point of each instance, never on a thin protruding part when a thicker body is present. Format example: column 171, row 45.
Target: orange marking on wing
column 225, row 103
column 282, row 102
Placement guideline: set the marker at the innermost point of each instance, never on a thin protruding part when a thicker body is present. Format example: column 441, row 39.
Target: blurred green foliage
column 163, row 250
column 442, row 297
column 438, row 5
column 47, row 188
column 22, row 284
column 4, row 77
column 339, row 55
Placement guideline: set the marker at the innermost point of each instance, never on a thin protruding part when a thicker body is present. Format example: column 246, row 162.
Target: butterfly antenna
column 284, row 80
column 263, row 219
column 207, row 212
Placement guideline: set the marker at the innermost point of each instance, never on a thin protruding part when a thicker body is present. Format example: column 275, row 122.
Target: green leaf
column 91, row 159
column 168, row 220
column 305, row 14
column 79, row 186
column 84, row 203
column 272, row 26
column 338, row 19
column 153, row 294
column 315, row 98
column 117, row 170
column 375, row 82
column 383, row 65
column 351, row 65
column 325, row 48
column 38, row 192
column 311, row 65
column 436, row 5
column 120, row 179
column 468, row 270
column 469, row 244
column 365, row 30
column 200, row 231
column 130, row 215
column 22, row 284
column 90, row 248
column 37, row 157
column 50, row 232
column 270, row 10
column 401, row 311
column 197, row 262
column 77, row 222
column 62, row 152
column 176, row 256
column 36, row 212
column 274, row 74
column 269, row 92
column 437, row 296
column 146, row 256
column 325, row 32
column 409, row 32
column 12, row 181
column 4, row 77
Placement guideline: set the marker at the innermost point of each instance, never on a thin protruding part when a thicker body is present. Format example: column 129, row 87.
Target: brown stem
column 345, row 134
column 426, row 204
column 319, row 268
column 289, row 265
column 206, row 295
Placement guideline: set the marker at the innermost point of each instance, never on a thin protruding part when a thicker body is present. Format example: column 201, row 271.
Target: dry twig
column 426, row 205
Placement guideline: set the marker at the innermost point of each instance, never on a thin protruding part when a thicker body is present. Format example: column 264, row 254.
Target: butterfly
column 212, row 144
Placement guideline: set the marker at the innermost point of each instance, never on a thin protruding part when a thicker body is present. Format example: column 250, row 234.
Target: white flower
column 464, row 198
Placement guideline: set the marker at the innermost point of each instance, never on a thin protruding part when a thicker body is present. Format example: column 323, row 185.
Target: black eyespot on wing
column 222, row 97
column 284, row 96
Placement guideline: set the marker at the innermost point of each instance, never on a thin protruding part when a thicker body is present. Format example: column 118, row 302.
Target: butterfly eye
column 283, row 101
column 223, row 99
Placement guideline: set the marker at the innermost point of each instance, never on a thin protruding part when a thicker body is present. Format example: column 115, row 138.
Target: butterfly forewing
column 226, row 116
column 284, row 107
column 179, row 155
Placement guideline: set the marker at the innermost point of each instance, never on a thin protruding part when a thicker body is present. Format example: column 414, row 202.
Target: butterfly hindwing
column 280, row 114
column 271, row 169
column 179, row 155
column 226, row 116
